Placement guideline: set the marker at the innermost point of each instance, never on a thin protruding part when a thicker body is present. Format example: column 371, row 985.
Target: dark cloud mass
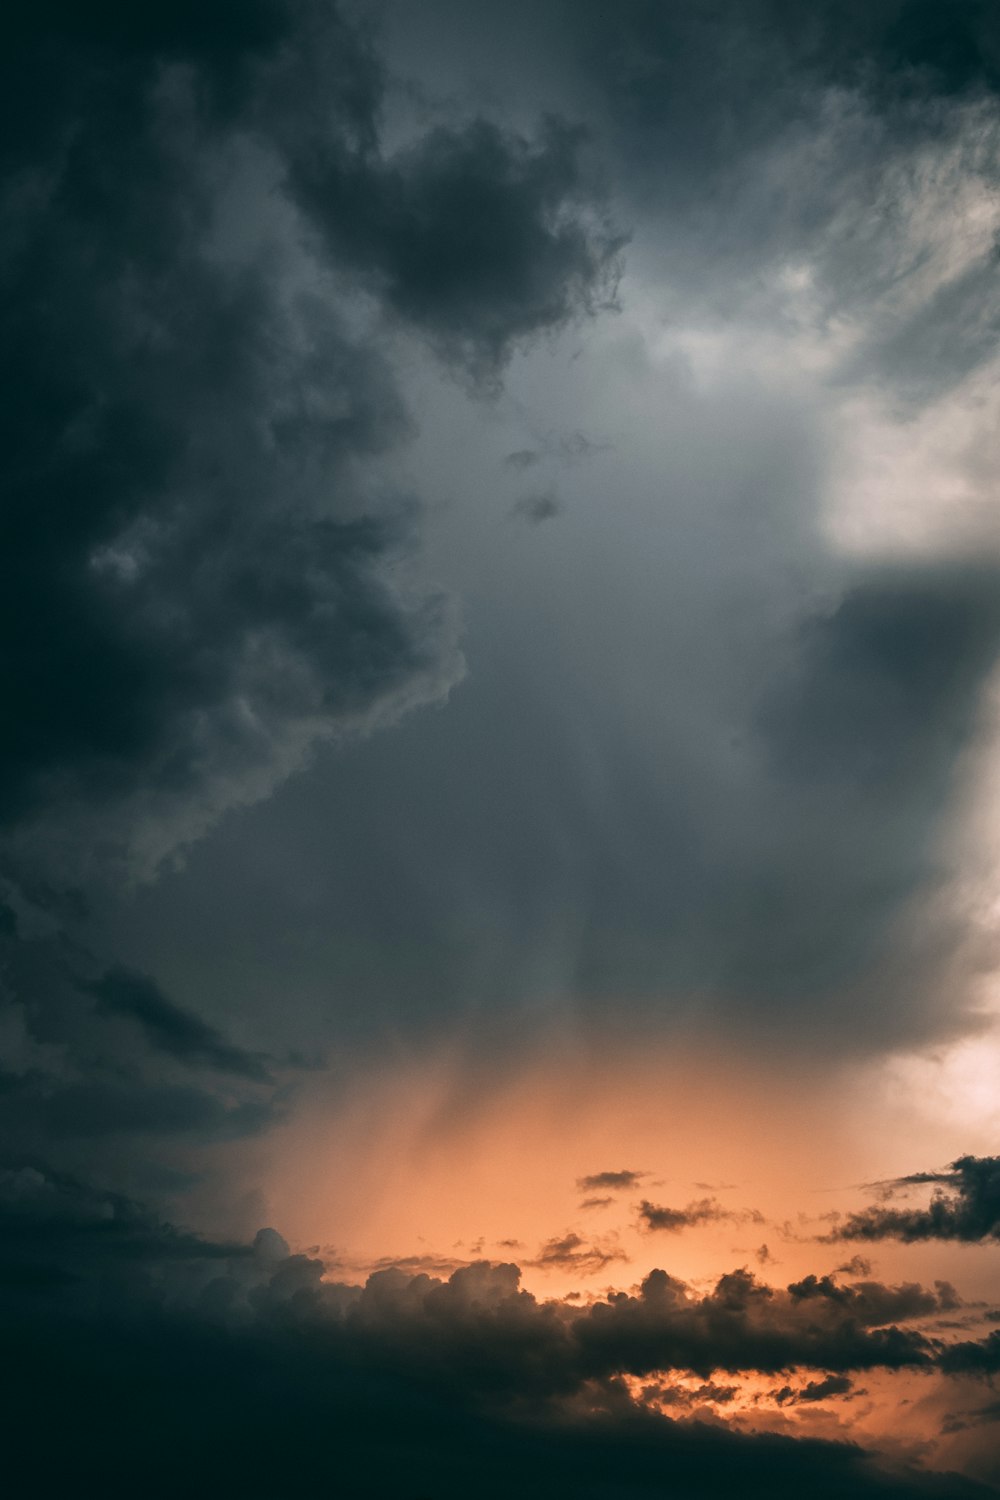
column 167, row 1026
column 191, row 434
column 964, row 1206
column 314, row 315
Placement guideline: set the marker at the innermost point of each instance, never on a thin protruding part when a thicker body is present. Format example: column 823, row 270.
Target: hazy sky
column 498, row 813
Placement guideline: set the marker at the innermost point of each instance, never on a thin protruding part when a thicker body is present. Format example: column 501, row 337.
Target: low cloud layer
column 475, row 1353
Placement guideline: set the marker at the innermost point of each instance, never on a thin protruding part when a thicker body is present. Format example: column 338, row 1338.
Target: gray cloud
column 204, row 541
column 469, row 234
column 562, row 835
column 176, row 1031
column 654, row 1216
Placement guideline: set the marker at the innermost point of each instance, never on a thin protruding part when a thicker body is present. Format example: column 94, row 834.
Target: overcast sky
column 500, row 646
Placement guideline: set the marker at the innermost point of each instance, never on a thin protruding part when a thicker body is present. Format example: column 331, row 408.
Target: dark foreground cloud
column 965, row 1206
column 257, row 1369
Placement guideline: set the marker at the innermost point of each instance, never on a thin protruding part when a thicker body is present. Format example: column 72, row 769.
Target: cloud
column 610, row 1181
column 815, row 1390
column 470, row 234
column 176, row 1031
column 570, row 1252
column 522, row 458
column 484, row 1361
column 965, row 1206
column 536, row 508
column 889, row 682
column 654, row 1216
column 204, row 542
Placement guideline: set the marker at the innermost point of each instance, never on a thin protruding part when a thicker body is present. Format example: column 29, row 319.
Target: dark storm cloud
column 195, row 536
column 754, row 132
column 888, row 682
column 714, row 85
column 965, row 1206
column 207, row 254
column 469, row 235
column 564, row 830
column 578, row 852
column 176, row 1031
column 105, row 1108
column 78, row 1230
column 100, row 1071
column 973, row 1357
column 614, row 1181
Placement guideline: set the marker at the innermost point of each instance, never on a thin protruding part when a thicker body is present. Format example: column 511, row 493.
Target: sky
column 499, row 833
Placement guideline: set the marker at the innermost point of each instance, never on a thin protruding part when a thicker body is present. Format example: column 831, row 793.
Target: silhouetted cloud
column 964, row 1206
column 815, row 1390
column 655, row 1216
column 570, row 1252
column 609, row 1181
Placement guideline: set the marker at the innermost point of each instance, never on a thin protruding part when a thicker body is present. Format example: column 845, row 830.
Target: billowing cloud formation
column 965, row 1206
column 195, row 1331
column 199, row 542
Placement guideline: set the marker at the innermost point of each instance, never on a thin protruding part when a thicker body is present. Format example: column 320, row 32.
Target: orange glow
column 434, row 1163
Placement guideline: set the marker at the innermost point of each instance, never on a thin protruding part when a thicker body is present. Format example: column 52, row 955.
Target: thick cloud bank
column 240, row 1366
